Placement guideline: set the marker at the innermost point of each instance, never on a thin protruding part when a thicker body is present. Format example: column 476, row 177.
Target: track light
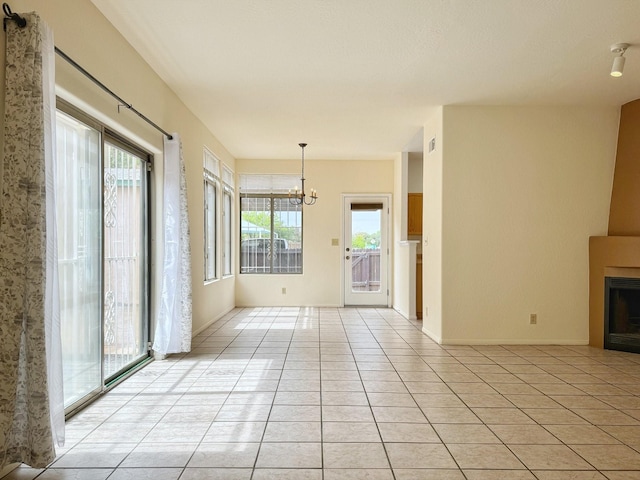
column 618, row 62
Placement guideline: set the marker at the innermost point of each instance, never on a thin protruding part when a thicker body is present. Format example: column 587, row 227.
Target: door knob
column 347, row 257
column 347, row 249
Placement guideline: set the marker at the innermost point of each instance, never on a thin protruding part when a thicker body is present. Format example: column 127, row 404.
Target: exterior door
column 366, row 250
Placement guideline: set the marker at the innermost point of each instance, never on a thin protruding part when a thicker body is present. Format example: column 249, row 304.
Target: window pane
column 125, row 316
column 210, row 229
column 79, row 222
column 227, row 211
column 271, row 235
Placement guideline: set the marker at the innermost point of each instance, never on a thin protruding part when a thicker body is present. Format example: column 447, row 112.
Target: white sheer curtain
column 32, row 413
column 173, row 328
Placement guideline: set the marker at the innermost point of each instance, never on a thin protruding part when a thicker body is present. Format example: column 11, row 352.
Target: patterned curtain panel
column 173, row 329
column 30, row 418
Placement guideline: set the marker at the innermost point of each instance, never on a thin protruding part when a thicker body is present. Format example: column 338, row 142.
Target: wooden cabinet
column 414, row 211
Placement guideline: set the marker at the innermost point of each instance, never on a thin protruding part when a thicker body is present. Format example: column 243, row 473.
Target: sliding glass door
column 125, row 325
column 79, row 223
column 102, row 243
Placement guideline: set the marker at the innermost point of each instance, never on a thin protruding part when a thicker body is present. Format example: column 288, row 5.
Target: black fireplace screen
column 622, row 314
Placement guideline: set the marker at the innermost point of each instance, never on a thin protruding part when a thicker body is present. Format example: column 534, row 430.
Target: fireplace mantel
column 608, row 256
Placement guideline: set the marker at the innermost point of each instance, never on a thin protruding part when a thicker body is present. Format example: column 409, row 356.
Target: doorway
column 365, row 259
column 102, row 224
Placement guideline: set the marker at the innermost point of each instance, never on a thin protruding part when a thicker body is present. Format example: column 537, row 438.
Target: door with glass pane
column 79, row 225
column 366, row 250
column 101, row 202
column 125, row 266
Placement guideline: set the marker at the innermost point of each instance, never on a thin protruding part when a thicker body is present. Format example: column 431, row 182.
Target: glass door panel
column 79, row 220
column 365, row 255
column 125, row 312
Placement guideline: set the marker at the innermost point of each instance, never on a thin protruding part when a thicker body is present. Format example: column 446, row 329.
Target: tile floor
column 328, row 393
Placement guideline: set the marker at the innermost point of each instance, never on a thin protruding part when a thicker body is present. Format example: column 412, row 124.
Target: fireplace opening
column 622, row 314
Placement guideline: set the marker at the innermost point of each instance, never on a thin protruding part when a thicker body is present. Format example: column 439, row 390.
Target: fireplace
column 622, row 314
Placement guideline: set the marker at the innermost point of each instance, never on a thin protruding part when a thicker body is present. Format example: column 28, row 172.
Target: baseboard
column 431, row 335
column 511, row 341
column 211, row 322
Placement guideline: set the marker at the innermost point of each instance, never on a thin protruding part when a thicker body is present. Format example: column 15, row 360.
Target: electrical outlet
column 533, row 319
column 284, row 291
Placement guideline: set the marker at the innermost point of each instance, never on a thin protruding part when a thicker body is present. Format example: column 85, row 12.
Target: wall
column 624, row 216
column 432, row 228
column 415, row 172
column 523, row 190
column 321, row 282
column 85, row 35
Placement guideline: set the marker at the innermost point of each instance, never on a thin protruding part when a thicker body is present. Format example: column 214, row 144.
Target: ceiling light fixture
column 618, row 62
column 298, row 197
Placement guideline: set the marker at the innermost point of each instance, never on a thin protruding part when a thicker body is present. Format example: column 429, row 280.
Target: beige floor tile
column 427, row 474
column 391, row 400
column 606, row 416
column 554, row 416
column 146, row 473
column 581, row 434
column 350, row 432
column 384, row 387
column 408, row 433
column 290, row 455
column 471, row 387
column 160, row 455
column 295, row 413
column 502, row 416
column 297, row 398
column 549, row 457
column 495, row 457
column 73, row 474
column 344, row 398
column 532, row 401
column 359, row 474
column 346, row 413
column 217, row 474
column 233, row 455
column 293, row 432
column 419, row 455
column 627, row 434
column 485, row 400
column 568, row 475
column 354, row 455
column 609, row 457
column 463, row 433
column 524, row 434
column 499, row 475
column 399, row 414
column 287, row 474
column 427, row 400
column 450, row 415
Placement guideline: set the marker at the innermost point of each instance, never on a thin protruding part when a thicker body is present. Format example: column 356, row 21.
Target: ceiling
column 356, row 79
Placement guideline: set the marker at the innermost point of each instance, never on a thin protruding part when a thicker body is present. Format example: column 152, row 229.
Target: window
column 271, row 227
column 227, row 224
column 211, row 186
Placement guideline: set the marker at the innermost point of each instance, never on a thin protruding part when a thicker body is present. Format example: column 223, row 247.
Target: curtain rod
column 9, row 15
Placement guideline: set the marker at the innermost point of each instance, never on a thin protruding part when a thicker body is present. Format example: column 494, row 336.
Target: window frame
column 211, row 180
column 271, row 267
column 228, row 192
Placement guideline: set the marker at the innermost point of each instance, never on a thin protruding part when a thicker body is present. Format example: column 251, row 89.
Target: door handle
column 347, row 257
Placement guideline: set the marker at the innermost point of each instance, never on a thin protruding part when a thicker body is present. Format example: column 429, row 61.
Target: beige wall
column 432, row 228
column 87, row 37
column 321, row 283
column 523, row 190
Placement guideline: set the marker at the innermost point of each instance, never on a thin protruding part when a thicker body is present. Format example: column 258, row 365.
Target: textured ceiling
column 357, row 78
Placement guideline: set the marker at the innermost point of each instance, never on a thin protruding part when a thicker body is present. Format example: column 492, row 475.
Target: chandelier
column 298, row 197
